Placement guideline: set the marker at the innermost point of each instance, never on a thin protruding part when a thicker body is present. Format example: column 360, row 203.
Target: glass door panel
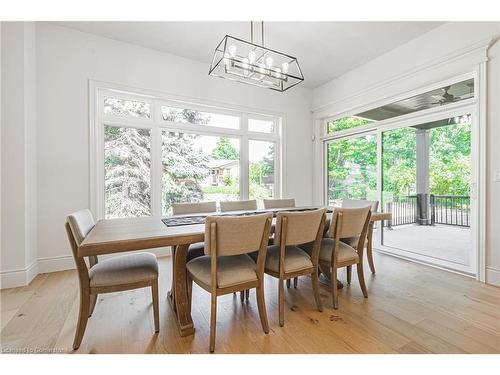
column 352, row 169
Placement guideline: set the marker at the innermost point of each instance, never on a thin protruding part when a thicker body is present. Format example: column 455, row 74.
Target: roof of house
column 222, row 163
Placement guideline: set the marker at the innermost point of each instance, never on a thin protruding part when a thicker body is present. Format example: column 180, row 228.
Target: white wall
column 18, row 194
column 440, row 54
column 67, row 59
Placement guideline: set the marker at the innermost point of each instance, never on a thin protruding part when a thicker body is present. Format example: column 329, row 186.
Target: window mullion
column 244, row 163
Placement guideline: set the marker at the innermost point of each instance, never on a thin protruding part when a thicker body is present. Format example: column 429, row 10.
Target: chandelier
column 254, row 64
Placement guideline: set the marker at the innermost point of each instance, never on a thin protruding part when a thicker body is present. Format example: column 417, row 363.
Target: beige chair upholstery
column 345, row 252
column 124, row 269
column 226, row 267
column 295, row 259
column 359, row 203
column 279, row 203
column 238, row 205
column 116, row 274
column 231, row 270
column 193, row 208
column 334, row 254
column 285, row 260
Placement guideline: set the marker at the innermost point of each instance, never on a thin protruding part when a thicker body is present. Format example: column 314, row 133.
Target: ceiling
column 325, row 50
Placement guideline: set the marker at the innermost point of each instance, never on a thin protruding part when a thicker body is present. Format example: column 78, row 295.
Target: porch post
column 423, row 197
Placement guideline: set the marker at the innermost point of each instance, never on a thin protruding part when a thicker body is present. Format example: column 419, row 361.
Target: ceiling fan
column 446, row 97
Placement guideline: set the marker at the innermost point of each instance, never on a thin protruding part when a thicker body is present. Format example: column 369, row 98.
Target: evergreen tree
column 225, row 150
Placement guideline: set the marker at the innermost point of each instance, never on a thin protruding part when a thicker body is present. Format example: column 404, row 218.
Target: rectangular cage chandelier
column 247, row 62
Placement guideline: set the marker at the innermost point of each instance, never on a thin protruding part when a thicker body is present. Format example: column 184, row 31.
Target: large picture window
column 151, row 152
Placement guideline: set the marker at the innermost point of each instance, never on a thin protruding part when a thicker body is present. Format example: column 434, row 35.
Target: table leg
column 179, row 296
column 171, row 293
column 328, row 276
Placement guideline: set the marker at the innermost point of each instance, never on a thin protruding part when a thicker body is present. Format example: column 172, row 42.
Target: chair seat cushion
column 231, row 270
column 124, row 269
column 353, row 241
column 346, row 253
column 295, row 259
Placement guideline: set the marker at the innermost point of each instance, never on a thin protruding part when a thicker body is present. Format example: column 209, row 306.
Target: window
column 261, row 169
column 150, row 154
column 191, row 116
column 127, row 172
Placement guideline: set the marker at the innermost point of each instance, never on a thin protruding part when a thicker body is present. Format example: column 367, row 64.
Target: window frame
column 156, row 124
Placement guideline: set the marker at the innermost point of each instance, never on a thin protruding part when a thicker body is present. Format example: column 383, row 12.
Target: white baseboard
column 492, row 276
column 18, row 277
column 22, row 277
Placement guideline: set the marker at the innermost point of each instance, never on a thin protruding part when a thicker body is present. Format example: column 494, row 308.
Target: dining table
column 111, row 236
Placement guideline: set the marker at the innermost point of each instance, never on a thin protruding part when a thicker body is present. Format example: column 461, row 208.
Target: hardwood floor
column 411, row 309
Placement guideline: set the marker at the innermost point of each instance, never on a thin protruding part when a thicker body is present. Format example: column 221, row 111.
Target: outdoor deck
column 447, row 242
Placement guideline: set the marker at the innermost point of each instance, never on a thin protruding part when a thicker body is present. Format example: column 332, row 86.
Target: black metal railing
column 451, row 210
column 444, row 209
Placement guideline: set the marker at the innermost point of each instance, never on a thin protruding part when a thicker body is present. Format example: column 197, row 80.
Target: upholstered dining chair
column 123, row 272
column 335, row 254
column 195, row 249
column 353, row 241
column 285, row 260
column 279, row 203
column 238, row 205
column 226, row 268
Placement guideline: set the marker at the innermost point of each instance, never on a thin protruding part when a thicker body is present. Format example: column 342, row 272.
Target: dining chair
column 335, row 254
column 279, row 203
column 123, row 272
column 226, row 268
column 285, row 260
column 353, row 241
column 238, row 205
column 196, row 249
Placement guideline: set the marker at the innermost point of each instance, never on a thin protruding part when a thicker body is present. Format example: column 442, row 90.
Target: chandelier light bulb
column 269, row 62
column 245, row 66
column 284, row 67
column 251, row 57
column 232, row 50
column 262, row 68
column 226, row 59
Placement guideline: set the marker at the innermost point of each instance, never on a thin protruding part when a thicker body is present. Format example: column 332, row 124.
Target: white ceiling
column 325, row 50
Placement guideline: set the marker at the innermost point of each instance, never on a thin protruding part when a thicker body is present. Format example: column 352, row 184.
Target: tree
column 225, row 150
column 127, row 168
column 184, row 167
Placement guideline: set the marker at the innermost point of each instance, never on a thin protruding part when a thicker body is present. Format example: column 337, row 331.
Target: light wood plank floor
column 411, row 309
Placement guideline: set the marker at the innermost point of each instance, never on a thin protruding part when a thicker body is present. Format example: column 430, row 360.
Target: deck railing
column 444, row 209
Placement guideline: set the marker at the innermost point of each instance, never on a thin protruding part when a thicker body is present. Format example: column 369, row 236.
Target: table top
column 118, row 235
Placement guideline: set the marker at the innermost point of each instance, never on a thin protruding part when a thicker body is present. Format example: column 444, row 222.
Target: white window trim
column 98, row 90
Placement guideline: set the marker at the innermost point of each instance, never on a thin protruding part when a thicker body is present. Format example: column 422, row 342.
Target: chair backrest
column 359, row 203
column 279, row 203
column 238, row 205
column 193, row 208
column 296, row 228
column 78, row 225
column 349, row 222
column 235, row 235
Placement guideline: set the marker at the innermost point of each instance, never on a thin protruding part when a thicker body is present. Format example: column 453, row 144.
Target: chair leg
column 369, row 256
column 213, row 320
column 261, row 304
column 83, row 317
column 349, row 273
column 281, row 302
column 335, row 292
column 93, row 301
column 247, row 294
column 315, row 285
column 296, row 281
column 242, row 295
column 156, row 307
column 361, row 278
column 288, row 283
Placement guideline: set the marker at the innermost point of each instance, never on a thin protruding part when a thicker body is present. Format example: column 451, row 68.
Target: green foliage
column 228, row 180
column 225, row 150
column 346, row 123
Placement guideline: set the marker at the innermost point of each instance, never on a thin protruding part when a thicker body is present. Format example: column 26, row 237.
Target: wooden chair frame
column 215, row 291
column 286, row 276
column 88, row 294
column 334, row 264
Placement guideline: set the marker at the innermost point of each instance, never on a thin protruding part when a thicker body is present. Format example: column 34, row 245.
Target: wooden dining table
column 130, row 234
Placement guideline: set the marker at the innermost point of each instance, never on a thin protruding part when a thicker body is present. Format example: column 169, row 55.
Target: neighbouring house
column 222, row 172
